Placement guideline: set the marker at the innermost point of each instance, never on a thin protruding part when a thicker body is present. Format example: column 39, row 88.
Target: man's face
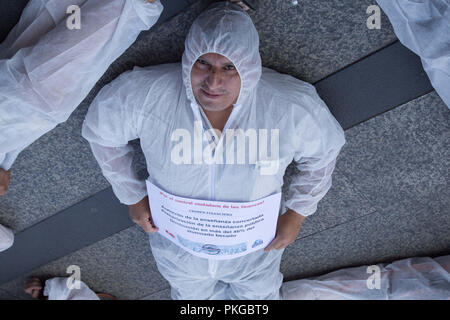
column 215, row 82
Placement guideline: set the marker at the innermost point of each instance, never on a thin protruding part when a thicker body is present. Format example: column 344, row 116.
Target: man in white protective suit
column 220, row 84
column 47, row 69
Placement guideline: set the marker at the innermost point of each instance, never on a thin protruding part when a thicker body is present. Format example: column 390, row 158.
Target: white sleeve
column 423, row 27
column 41, row 85
column 111, row 122
column 319, row 140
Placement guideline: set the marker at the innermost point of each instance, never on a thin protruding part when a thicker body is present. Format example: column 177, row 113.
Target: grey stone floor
column 389, row 200
column 390, row 194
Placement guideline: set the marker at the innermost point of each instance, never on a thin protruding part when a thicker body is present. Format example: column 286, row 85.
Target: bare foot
column 34, row 287
column 241, row 4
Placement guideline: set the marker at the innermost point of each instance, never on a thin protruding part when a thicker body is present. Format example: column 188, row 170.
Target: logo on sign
column 257, row 243
column 210, row 249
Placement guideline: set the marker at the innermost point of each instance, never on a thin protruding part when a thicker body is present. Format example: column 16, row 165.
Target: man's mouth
column 210, row 95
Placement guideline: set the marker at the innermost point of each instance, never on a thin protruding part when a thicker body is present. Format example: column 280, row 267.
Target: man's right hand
column 5, row 178
column 140, row 214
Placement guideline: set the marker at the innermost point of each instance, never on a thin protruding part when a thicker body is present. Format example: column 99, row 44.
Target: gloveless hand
column 288, row 227
column 140, row 214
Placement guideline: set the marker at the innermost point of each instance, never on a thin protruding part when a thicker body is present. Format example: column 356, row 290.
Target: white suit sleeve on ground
column 423, row 27
column 60, row 289
column 419, row 278
column 6, row 238
column 320, row 139
column 111, row 122
column 41, row 85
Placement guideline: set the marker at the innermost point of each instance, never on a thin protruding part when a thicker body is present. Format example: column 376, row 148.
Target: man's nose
column 214, row 80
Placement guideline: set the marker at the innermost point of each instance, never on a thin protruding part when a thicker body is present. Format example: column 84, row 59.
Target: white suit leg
column 255, row 276
column 38, row 17
column 41, row 85
column 259, row 277
column 187, row 275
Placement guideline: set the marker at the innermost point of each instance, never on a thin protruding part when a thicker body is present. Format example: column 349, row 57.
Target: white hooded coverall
column 423, row 26
column 47, row 69
column 150, row 103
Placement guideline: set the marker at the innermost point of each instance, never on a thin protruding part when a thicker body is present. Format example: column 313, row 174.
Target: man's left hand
column 288, row 227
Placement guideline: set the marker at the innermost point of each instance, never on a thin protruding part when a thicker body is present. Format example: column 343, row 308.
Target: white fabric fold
column 423, row 27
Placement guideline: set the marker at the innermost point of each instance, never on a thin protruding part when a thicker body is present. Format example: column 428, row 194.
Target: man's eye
column 202, row 62
column 230, row 67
